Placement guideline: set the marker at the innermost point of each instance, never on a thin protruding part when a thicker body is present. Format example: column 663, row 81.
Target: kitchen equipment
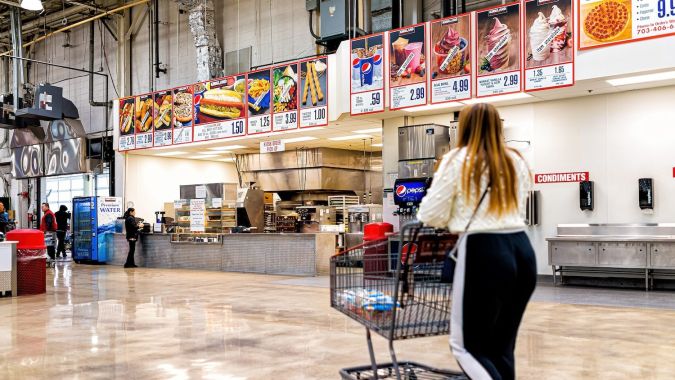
column 646, row 193
column 251, row 208
column 360, row 215
column 586, row 195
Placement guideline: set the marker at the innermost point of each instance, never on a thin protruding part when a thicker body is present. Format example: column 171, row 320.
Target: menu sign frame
column 367, row 98
column 259, row 121
column 163, row 132
column 548, row 55
column 127, row 138
column 284, row 95
column 450, row 79
column 220, row 110
column 313, row 104
column 405, row 55
column 183, row 114
column 494, row 48
column 647, row 19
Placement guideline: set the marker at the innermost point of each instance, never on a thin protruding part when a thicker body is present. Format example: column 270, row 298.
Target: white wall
column 151, row 180
column 618, row 138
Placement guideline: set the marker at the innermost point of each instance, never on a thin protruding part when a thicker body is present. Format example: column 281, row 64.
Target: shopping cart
column 398, row 296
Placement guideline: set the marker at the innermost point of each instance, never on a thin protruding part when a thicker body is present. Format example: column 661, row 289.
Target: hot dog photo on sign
column 127, row 116
column 221, row 99
column 143, row 113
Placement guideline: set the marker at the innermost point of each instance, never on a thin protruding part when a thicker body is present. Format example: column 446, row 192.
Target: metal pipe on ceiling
column 18, row 52
column 91, row 70
column 90, row 19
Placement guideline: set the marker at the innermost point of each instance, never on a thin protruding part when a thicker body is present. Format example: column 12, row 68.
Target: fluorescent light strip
column 204, row 156
column 174, row 153
column 372, row 130
column 498, row 98
column 227, row 147
column 642, row 78
column 434, row 107
column 298, row 139
column 377, row 145
column 352, row 137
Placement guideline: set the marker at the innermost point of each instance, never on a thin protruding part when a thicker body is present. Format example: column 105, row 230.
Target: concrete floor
column 104, row 322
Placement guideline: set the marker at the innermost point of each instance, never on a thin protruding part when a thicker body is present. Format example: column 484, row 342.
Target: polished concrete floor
column 104, row 322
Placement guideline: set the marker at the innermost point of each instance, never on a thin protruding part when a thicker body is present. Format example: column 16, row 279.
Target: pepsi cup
column 377, row 66
column 356, row 68
column 367, row 71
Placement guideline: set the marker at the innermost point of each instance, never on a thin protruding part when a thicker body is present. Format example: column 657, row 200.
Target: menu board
column 285, row 97
column 314, row 87
column 611, row 22
column 451, row 58
column 197, row 217
column 182, row 115
column 163, row 117
column 367, row 75
column 549, row 44
column 259, row 102
column 220, row 108
column 143, row 121
column 127, row 109
column 407, row 67
column 498, row 50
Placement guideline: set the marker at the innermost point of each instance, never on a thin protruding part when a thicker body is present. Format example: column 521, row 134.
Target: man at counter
column 62, row 218
column 48, row 226
column 131, row 225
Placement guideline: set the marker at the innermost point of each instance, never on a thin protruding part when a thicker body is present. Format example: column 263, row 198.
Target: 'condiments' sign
column 561, row 177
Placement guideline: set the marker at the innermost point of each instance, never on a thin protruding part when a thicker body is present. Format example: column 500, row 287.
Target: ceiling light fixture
column 174, row 153
column 203, row 156
column 498, row 98
column 434, row 107
column 377, row 145
column 642, row 78
column 371, row 130
column 227, row 147
column 351, row 137
column 298, row 139
column 32, row 5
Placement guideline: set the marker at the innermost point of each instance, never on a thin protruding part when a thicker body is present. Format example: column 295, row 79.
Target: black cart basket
column 402, row 295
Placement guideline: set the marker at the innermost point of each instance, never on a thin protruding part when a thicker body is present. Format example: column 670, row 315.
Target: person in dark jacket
column 62, row 219
column 131, row 226
column 48, row 226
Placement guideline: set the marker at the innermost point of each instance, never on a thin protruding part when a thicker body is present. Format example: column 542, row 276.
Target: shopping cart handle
column 412, row 224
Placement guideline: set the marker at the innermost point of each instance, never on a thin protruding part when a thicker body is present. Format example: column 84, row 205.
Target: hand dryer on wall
column 646, row 193
column 586, row 195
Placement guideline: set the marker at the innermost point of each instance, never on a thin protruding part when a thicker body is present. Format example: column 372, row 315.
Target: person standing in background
column 62, row 219
column 49, row 227
column 4, row 218
column 131, row 226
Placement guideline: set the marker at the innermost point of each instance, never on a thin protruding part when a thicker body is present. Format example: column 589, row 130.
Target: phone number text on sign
column 144, row 141
column 549, row 76
column 259, row 124
column 451, row 89
column 408, row 96
column 219, row 130
column 127, row 142
column 314, row 117
column 284, row 121
column 497, row 84
column 367, row 102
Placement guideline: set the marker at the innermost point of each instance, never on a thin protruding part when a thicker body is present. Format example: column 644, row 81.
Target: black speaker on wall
column 646, row 193
column 586, row 195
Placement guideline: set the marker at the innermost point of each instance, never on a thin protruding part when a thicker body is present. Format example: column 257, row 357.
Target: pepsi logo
column 356, row 62
column 401, row 190
column 377, row 59
column 366, row 67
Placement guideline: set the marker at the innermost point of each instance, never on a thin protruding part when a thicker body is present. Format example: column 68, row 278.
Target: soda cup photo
column 367, row 71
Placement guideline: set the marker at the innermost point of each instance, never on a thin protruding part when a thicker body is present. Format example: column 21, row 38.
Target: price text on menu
column 607, row 22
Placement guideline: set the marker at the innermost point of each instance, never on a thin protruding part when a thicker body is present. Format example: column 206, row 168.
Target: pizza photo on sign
column 549, row 38
column 498, row 40
column 606, row 21
column 182, row 107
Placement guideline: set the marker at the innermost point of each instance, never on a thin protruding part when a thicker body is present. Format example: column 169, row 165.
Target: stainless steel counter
column 591, row 238
column 284, row 254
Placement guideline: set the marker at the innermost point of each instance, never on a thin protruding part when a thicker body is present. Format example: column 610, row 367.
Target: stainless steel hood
column 314, row 170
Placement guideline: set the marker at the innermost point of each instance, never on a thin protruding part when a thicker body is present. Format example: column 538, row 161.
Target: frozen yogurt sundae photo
column 498, row 42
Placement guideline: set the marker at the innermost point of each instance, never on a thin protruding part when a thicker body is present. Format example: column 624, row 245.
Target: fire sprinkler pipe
column 90, row 19
column 18, row 52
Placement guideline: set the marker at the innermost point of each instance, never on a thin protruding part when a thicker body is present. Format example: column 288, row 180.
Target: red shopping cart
column 403, row 295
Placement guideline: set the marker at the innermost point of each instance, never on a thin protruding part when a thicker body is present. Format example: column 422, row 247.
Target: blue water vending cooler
column 94, row 221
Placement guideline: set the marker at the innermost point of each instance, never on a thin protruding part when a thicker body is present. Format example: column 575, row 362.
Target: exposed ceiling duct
column 202, row 24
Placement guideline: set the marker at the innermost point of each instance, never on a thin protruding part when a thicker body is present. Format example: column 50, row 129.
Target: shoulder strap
column 475, row 211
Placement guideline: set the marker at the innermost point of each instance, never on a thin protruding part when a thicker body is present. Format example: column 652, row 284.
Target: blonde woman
column 480, row 190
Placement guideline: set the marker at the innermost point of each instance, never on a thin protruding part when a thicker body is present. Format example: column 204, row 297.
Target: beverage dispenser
column 408, row 194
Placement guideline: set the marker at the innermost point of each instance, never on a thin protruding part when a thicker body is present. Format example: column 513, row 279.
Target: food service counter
column 283, row 254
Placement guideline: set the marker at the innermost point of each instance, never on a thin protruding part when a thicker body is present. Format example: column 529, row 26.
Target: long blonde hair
column 480, row 132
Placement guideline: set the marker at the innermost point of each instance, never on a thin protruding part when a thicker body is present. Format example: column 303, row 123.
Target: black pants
column 61, row 247
column 130, row 256
column 495, row 276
